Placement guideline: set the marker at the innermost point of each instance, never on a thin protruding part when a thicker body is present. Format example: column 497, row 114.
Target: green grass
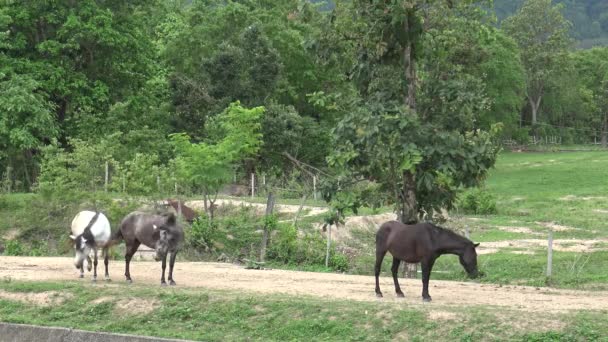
column 565, row 187
column 201, row 314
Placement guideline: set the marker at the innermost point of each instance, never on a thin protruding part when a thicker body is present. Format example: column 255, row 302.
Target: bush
column 13, row 247
column 478, row 202
column 339, row 262
column 202, row 232
column 306, row 249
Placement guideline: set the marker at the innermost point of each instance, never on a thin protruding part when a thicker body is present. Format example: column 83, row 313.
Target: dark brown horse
column 421, row 243
column 160, row 232
column 188, row 213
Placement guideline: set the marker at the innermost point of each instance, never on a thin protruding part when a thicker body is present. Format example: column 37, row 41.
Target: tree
column 209, row 166
column 592, row 66
column 419, row 155
column 541, row 32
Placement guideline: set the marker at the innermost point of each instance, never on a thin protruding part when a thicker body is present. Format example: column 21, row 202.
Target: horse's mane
column 447, row 231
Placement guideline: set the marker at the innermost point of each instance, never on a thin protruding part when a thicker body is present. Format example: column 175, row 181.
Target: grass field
column 565, row 190
column 228, row 316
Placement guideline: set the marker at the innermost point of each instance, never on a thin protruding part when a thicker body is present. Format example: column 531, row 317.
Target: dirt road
column 332, row 286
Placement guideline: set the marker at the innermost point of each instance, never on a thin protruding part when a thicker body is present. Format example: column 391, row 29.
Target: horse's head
column 82, row 250
column 468, row 260
column 167, row 236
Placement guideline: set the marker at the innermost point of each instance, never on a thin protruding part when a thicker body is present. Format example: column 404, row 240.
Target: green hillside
column 589, row 18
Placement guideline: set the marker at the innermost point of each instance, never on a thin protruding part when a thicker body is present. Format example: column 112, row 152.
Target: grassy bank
column 201, row 314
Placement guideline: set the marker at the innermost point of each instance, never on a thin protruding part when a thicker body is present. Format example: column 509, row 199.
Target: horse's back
column 100, row 229
column 406, row 242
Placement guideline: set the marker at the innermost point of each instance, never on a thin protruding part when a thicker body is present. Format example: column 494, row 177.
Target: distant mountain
column 589, row 18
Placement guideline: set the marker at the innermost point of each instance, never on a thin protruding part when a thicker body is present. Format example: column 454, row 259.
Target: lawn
column 201, row 314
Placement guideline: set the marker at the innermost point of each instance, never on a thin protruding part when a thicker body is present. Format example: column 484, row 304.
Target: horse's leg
column 162, row 277
column 427, row 266
column 128, row 255
column 171, row 264
column 81, row 271
column 395, row 270
column 379, row 257
column 106, row 262
column 89, row 263
column 94, row 264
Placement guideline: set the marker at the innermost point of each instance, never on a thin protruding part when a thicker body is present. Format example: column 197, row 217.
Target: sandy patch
column 47, row 298
column 260, row 207
column 442, row 315
column 371, row 222
column 556, row 227
column 326, row 286
column 514, row 229
column 582, row 198
column 136, row 306
column 561, row 245
column 10, row 234
column 601, row 211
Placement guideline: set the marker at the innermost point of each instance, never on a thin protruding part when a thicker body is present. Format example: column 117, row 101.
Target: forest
column 202, row 93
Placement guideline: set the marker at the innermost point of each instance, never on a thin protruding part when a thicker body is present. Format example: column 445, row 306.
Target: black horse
column 424, row 243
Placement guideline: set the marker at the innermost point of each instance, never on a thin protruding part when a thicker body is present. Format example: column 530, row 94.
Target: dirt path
column 261, row 207
column 325, row 285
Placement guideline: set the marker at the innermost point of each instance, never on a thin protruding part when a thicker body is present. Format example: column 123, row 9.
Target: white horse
column 90, row 231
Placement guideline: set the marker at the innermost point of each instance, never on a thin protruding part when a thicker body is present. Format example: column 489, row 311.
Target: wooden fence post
column 105, row 185
column 314, row 187
column 9, row 182
column 328, row 245
column 550, row 253
column 252, row 185
column 269, row 210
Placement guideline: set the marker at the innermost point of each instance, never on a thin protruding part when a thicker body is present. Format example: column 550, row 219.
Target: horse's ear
column 476, row 245
column 170, row 219
column 72, row 237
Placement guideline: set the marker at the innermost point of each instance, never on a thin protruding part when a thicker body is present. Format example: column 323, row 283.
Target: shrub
column 339, row 262
column 477, row 201
column 202, row 232
column 13, row 247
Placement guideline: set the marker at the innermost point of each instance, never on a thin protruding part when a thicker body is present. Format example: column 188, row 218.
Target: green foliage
column 209, row 166
column 543, row 45
column 290, row 247
column 202, row 232
column 13, row 247
column 477, row 202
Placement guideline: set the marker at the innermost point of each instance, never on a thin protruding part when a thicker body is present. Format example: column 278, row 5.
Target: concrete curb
column 31, row 333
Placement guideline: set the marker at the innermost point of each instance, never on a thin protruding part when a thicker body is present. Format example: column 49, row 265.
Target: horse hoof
column 427, row 300
column 81, row 276
column 400, row 295
column 107, row 279
column 162, row 283
column 129, row 281
column 379, row 295
column 94, row 280
column 172, row 283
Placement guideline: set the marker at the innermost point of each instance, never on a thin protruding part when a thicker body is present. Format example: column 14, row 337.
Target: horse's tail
column 115, row 239
column 382, row 234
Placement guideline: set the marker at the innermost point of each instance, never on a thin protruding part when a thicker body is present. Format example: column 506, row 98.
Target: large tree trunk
column 408, row 207
column 605, row 131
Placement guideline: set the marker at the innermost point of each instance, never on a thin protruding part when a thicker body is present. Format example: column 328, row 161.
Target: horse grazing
column 160, row 232
column 90, row 230
column 424, row 243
